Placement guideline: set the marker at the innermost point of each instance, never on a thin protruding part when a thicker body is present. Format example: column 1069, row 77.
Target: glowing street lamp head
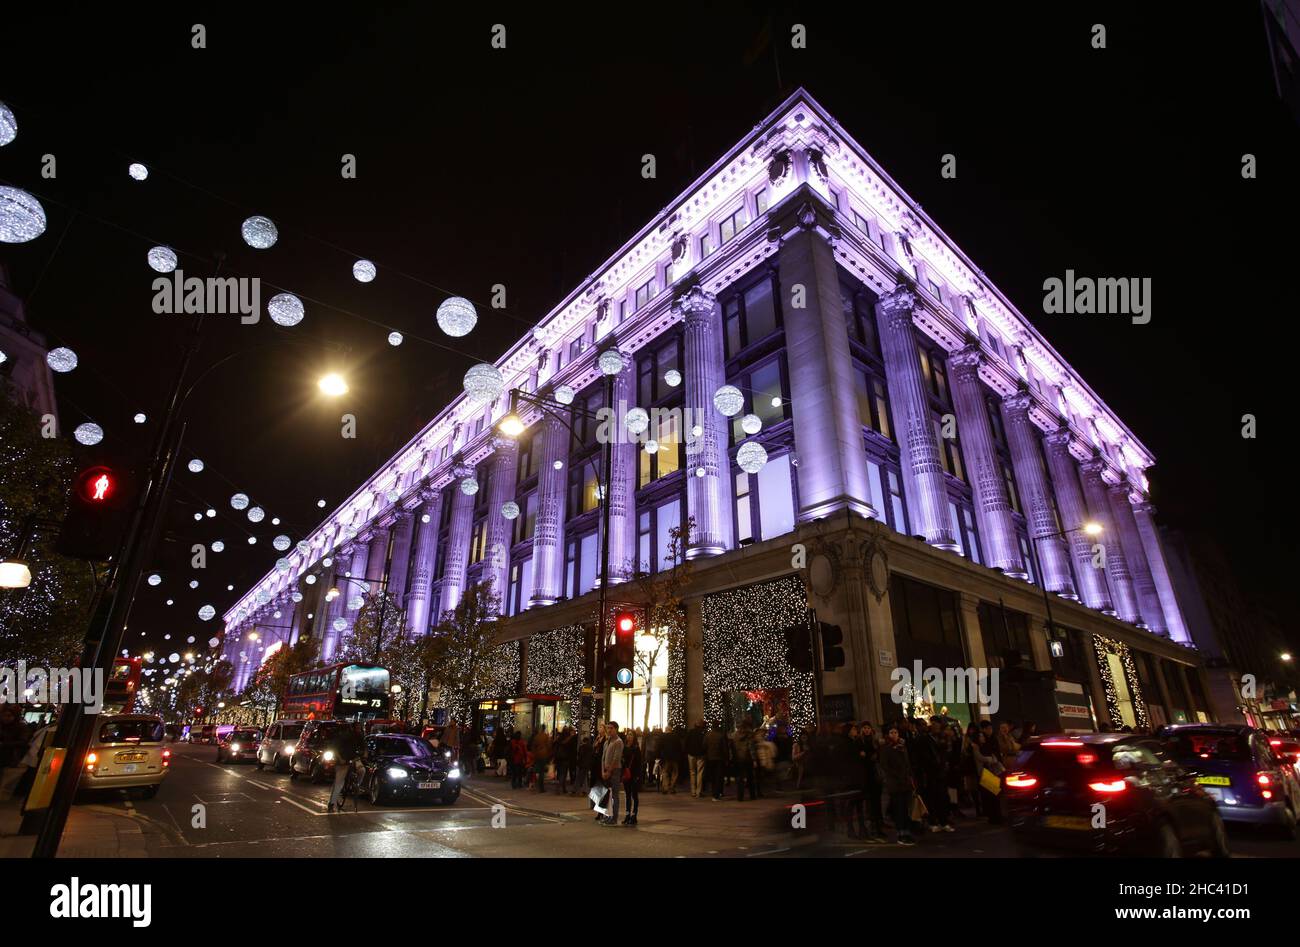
column 1285, row 656
column 332, row 594
column 333, row 385
column 14, row 574
column 1092, row 529
column 511, row 425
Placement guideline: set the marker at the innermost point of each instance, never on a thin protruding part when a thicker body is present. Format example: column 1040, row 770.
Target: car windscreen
column 291, row 731
column 400, row 746
column 245, row 736
column 131, row 731
column 1191, row 745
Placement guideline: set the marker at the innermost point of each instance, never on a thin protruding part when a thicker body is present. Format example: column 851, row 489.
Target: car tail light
column 1108, row 786
column 1061, row 743
column 91, row 760
column 1086, row 759
column 1263, row 779
column 1266, row 793
column 1021, row 781
column 1274, row 742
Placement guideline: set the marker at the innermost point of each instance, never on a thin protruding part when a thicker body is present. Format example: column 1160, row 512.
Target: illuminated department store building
column 926, row 449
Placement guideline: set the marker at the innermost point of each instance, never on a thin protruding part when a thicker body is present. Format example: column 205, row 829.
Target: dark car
column 1109, row 793
column 238, row 745
column 1236, row 766
column 404, row 767
column 313, row 756
column 1287, row 748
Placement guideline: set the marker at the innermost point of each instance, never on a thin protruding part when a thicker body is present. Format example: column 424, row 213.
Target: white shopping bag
column 598, row 795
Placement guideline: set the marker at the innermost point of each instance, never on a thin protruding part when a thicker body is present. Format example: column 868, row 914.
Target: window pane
column 760, row 311
column 775, row 498
column 766, row 384
column 587, row 564
column 877, row 491
column 667, row 517
column 669, row 456
column 896, row 502
column 955, row 522
column 744, row 531
column 526, row 583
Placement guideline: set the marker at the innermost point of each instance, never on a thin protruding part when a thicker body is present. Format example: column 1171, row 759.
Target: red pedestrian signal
column 96, row 516
column 96, row 485
column 619, row 669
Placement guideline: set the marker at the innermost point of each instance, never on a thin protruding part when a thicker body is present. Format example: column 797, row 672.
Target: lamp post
column 512, row 426
column 1092, row 529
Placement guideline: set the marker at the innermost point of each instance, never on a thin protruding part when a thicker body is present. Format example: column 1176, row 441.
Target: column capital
column 898, row 304
column 1145, row 506
column 502, row 446
column 1019, row 401
column 1061, row 437
column 966, row 360
column 696, row 304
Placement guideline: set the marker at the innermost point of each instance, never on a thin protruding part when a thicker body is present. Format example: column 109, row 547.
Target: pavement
column 210, row 810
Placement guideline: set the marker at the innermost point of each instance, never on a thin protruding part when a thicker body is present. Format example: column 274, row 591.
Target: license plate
column 1214, row 780
column 1076, row 822
column 129, row 768
column 436, row 785
column 130, row 757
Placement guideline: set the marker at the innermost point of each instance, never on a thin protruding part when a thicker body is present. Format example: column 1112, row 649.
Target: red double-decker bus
column 122, row 686
column 349, row 691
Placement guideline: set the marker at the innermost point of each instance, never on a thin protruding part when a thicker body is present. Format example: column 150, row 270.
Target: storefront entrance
column 528, row 714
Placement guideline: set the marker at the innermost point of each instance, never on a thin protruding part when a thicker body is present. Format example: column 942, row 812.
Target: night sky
column 522, row 166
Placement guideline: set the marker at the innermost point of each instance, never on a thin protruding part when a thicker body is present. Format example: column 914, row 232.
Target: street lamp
column 1285, row 656
column 1089, row 529
column 333, row 385
column 14, row 574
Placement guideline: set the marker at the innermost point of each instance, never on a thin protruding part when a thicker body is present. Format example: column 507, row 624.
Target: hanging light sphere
column 171, row 602
column 154, row 579
column 751, row 457
column 355, row 603
column 8, row 125
column 393, row 495
column 565, row 394
column 138, row 419
column 310, row 580
column 239, row 501
column 210, row 513
column 394, row 339
column 194, row 583
column 286, row 309
column 217, row 546
column 61, row 359
column 22, row 217
column 282, row 565
column 652, row 447
column 364, row 271
column 213, row 642
column 174, row 658
column 88, row 434
column 340, row 624
column 296, row 597
column 275, row 521
column 320, row 504
column 510, row 510
column 195, row 466
column 729, row 400
column 558, row 465
column 483, row 382
column 259, row 233
column 162, row 259
column 469, row 486
column 610, row 362
column 456, row 316
column 327, row 562
column 281, row 543
column 207, row 613
column 252, row 540
column 263, row 596
column 198, row 517
column 673, row 377
column 751, row 424
column 256, row 514
column 303, row 546
column 636, row 420
column 697, row 431
column 424, row 518
column 699, row 471
column 137, row 171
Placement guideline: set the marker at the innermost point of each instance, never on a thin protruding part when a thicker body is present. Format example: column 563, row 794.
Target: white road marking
column 299, row 805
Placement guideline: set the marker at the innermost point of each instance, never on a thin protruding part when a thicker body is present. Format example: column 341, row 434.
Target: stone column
column 707, row 493
column 505, row 468
column 1096, row 490
column 1074, row 513
column 827, row 429
column 926, row 494
column 1155, row 553
column 973, row 638
column 552, row 498
column 1035, row 495
column 457, row 552
column 694, row 661
column 403, row 537
column 422, row 566
column 1144, row 585
column 622, row 489
column 983, row 466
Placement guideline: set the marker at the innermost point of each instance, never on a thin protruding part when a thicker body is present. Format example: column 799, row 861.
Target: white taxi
column 127, row 752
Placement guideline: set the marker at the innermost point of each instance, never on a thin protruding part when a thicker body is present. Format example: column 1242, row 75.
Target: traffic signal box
column 619, row 670
column 97, row 514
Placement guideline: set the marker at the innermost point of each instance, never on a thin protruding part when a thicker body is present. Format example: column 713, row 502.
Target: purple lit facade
column 929, row 454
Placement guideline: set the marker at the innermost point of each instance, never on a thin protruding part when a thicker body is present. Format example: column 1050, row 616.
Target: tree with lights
column 461, row 647
column 379, row 624
column 271, row 680
column 665, row 616
column 45, row 623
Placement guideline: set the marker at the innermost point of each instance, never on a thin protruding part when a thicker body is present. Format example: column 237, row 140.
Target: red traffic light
column 625, row 623
column 96, row 485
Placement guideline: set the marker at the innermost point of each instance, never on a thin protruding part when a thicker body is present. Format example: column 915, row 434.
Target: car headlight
column 396, row 772
column 447, row 753
column 234, row 748
column 328, row 756
column 289, row 748
column 454, row 774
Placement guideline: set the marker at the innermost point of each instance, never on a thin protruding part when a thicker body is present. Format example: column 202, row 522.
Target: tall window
column 767, row 395
column 654, row 527
column 765, row 501
column 751, row 315
column 645, row 292
column 732, row 225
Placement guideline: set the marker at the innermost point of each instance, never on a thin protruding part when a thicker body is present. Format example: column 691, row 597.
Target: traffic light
column 832, row 654
column 96, row 516
column 618, row 660
column 798, row 648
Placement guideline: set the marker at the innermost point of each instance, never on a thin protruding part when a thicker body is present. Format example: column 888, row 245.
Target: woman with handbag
column 633, row 768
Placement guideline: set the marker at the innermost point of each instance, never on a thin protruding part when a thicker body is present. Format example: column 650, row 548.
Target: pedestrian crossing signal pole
column 814, row 635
